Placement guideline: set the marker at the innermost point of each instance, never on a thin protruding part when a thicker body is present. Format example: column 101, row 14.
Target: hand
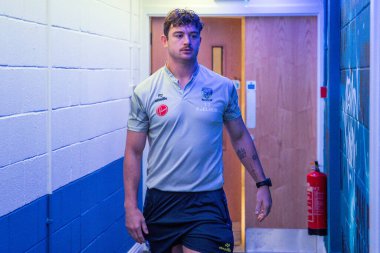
column 135, row 223
column 263, row 203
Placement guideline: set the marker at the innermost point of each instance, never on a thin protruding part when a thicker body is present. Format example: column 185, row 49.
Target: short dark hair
column 180, row 17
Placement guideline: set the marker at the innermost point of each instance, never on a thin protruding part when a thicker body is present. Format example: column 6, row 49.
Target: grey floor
column 282, row 241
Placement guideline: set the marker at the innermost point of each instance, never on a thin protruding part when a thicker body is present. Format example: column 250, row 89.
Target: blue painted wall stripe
column 332, row 126
column 347, row 117
column 87, row 215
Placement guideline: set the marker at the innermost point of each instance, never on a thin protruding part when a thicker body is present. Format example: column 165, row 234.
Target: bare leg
column 187, row 250
column 177, row 249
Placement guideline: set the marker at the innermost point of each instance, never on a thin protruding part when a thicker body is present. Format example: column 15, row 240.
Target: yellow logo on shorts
column 226, row 247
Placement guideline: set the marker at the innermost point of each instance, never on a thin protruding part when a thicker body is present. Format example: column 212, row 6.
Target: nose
column 187, row 39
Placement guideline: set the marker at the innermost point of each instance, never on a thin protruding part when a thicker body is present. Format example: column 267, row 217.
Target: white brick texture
column 22, row 43
column 65, row 48
column 22, row 183
column 100, row 17
column 65, row 81
column 66, row 164
column 104, row 85
column 99, row 119
column 65, row 126
column 31, row 10
column 22, row 137
column 120, row 4
column 65, row 87
column 22, row 90
column 66, row 13
column 98, row 152
column 101, row 52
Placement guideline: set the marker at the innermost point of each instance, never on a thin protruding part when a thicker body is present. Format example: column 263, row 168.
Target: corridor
column 306, row 75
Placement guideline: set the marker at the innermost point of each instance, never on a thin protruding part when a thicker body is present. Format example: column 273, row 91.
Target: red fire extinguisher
column 317, row 201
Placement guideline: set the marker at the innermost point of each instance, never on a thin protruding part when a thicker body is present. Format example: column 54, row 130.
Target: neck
column 182, row 70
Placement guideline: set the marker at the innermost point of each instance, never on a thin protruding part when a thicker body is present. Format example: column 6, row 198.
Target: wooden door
column 226, row 33
column 281, row 58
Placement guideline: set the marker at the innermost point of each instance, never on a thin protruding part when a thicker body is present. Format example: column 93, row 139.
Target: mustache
column 187, row 48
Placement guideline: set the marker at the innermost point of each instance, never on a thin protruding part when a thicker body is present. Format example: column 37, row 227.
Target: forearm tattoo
column 249, row 164
column 241, row 153
column 253, row 173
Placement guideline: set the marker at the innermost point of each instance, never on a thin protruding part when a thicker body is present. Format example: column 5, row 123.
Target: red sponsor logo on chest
column 162, row 110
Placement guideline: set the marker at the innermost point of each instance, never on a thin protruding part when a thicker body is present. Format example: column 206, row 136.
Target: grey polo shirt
column 184, row 128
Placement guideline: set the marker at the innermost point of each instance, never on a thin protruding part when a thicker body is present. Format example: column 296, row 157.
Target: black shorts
column 198, row 220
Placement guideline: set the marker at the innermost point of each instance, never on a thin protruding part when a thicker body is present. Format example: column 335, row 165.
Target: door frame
column 241, row 9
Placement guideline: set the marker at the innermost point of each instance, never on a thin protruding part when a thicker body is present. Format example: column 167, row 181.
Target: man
column 181, row 109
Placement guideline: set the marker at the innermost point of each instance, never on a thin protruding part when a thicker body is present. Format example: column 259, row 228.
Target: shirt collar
column 175, row 80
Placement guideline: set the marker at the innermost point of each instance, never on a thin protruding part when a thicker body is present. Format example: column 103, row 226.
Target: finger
column 140, row 236
column 144, row 227
column 258, row 207
column 261, row 217
column 267, row 210
column 133, row 234
column 264, row 213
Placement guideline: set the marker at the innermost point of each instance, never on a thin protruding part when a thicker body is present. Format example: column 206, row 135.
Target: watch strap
column 266, row 182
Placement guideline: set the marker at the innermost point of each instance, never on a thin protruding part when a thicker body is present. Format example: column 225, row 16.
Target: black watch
column 267, row 182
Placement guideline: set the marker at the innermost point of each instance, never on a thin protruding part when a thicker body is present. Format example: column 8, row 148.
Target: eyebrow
column 181, row 32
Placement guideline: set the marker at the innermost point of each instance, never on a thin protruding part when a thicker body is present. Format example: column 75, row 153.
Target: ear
column 164, row 40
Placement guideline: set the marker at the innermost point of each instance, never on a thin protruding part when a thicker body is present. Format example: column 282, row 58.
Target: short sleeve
column 232, row 110
column 138, row 119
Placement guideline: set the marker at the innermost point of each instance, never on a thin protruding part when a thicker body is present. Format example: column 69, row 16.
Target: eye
column 194, row 35
column 178, row 35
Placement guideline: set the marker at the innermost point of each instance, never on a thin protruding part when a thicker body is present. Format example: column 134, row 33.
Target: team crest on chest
column 206, row 94
column 207, row 104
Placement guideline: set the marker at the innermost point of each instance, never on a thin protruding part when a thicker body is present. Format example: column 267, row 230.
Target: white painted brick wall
column 100, row 151
column 136, row 28
column 22, row 43
column 136, row 7
column 22, row 183
column 16, row 94
column 12, row 188
column 77, row 124
column 66, row 164
column 121, row 4
column 35, row 177
column 66, row 48
column 73, row 162
column 31, row 10
column 104, row 85
column 22, row 137
column 136, row 76
column 65, row 87
column 65, row 126
column 100, row 17
column 101, row 52
column 102, row 118
column 70, row 59
column 66, row 13
column 136, row 57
